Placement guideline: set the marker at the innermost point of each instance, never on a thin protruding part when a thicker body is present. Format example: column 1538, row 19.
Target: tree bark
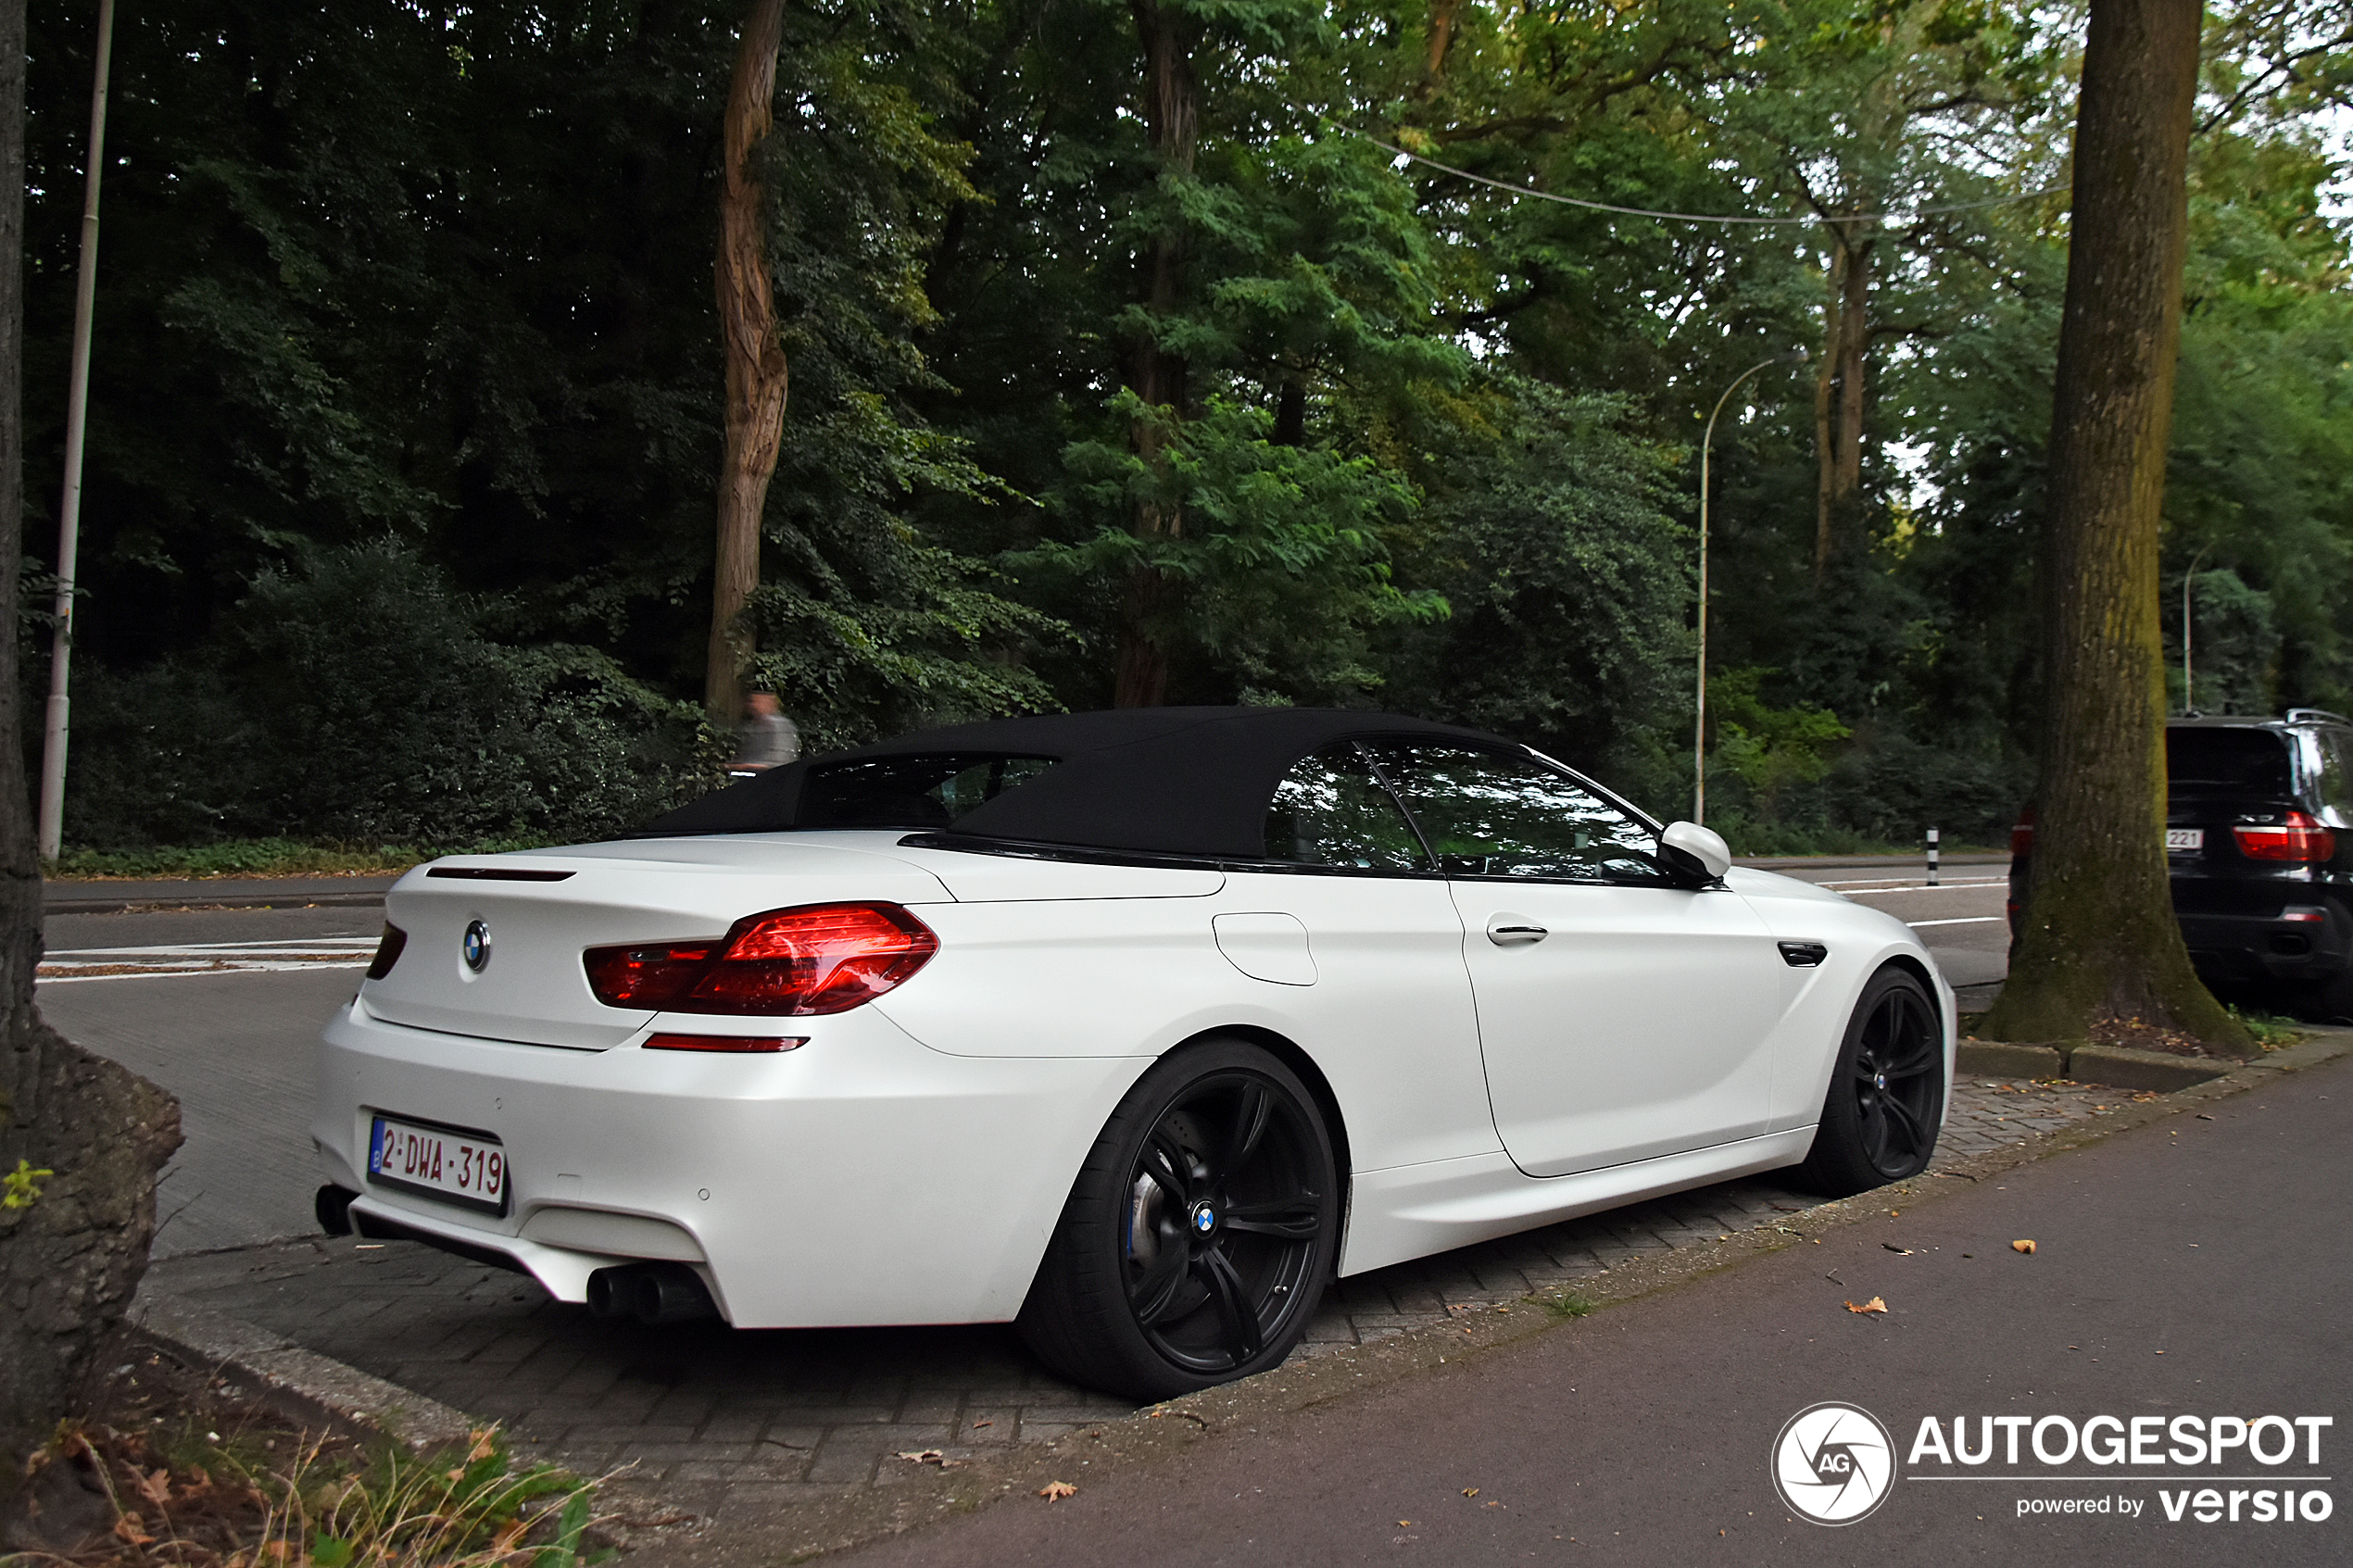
column 756, row 378
column 1837, row 398
column 71, row 1257
column 1172, row 117
column 2099, row 942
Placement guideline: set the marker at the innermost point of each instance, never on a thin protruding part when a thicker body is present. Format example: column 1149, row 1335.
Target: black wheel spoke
column 1236, row 1316
column 1156, row 1290
column 1291, row 1219
column 1898, row 1119
column 1923, row 1059
column 1875, row 1130
column 1253, row 1108
column 1164, row 1162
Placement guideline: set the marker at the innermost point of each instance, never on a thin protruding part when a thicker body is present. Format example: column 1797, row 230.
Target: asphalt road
column 2195, row 1267
column 234, row 1043
column 222, row 1007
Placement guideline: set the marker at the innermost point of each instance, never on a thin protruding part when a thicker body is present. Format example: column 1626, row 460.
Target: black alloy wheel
column 1887, row 1098
column 1200, row 1234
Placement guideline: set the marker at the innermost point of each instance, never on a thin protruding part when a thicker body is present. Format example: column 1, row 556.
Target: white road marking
column 1887, row 884
column 1969, row 920
column 204, row 958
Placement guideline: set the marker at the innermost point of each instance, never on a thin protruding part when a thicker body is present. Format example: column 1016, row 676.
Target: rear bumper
column 860, row 1179
column 2250, row 948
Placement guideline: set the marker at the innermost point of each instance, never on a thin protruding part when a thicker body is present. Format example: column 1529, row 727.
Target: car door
column 1621, row 1015
column 1355, row 942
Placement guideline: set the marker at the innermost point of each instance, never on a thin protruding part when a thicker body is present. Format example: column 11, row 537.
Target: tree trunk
column 71, row 1257
column 1172, row 116
column 2099, row 942
column 1838, row 399
column 1441, row 37
column 756, row 371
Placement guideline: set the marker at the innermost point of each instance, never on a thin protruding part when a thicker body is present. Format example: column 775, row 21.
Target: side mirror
column 1692, row 851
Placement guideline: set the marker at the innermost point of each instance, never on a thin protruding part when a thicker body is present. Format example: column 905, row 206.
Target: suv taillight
column 2023, row 836
column 793, row 963
column 2299, row 839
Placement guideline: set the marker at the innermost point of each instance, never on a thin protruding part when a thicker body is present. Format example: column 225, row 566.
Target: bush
column 357, row 701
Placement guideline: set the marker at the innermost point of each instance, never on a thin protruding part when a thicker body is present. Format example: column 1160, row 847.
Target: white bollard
column 1931, row 856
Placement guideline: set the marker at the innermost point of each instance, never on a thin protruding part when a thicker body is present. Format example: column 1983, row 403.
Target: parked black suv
column 2259, row 836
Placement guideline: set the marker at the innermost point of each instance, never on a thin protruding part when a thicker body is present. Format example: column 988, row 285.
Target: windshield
column 922, row 791
column 2203, row 761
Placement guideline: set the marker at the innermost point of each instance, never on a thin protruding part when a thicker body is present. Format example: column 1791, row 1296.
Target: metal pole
column 55, row 728
column 1699, row 708
column 2189, row 692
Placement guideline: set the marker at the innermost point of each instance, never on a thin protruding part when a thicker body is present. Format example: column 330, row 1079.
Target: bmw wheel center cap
column 476, row 946
column 1205, row 1219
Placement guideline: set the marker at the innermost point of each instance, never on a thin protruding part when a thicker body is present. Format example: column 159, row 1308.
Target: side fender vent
column 1803, row 955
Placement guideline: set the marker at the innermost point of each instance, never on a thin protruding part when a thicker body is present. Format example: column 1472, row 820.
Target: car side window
column 1491, row 814
column 2335, row 747
column 1332, row 811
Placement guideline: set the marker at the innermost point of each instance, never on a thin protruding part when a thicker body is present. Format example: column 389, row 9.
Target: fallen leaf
column 2025, row 1247
column 1054, row 1491
column 924, row 1455
column 156, row 1487
column 1899, row 1251
column 485, row 1443
column 1405, row 1523
column 131, row 1530
column 1470, row 1491
column 978, row 1425
column 1873, row 1305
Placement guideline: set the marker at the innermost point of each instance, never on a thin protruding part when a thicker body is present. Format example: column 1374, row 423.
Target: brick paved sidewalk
column 714, row 1418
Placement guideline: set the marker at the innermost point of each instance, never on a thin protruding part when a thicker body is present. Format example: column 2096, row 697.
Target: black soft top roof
column 1169, row 781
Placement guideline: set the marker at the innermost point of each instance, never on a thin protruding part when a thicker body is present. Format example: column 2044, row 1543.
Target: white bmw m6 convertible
column 1134, row 1028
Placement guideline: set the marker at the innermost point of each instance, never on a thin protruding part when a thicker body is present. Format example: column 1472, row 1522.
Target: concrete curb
column 2116, row 1067
column 302, row 1385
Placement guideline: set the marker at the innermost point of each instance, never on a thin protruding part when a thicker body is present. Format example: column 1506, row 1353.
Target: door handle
column 1512, row 931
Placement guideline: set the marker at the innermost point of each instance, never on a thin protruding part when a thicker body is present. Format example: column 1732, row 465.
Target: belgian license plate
column 2184, row 838
column 450, row 1163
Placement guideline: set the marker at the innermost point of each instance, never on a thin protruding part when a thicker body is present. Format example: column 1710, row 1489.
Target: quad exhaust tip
column 652, row 1292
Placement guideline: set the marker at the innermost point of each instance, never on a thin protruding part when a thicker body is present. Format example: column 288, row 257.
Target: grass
column 2270, row 1031
column 1568, row 1304
column 204, row 1503
column 264, row 858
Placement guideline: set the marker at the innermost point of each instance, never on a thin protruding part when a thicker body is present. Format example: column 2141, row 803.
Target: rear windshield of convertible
column 928, row 790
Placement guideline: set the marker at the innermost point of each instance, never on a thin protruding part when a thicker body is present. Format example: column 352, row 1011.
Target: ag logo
column 1833, row 1463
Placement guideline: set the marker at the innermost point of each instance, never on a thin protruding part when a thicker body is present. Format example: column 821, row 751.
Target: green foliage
column 20, row 1188
column 1549, row 535
column 406, row 399
column 356, row 700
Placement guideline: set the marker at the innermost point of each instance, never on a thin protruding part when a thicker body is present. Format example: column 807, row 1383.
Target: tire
column 1199, row 1236
column 2329, row 1001
column 1886, row 1097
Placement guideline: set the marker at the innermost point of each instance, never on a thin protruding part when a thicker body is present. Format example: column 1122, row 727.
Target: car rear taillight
column 388, row 951
column 2298, row 838
column 792, row 964
column 2023, row 836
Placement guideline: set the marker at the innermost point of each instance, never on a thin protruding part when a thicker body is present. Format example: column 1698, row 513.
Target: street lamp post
column 2189, row 688
column 1699, row 719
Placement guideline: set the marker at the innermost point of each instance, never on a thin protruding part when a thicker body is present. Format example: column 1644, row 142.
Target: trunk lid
column 542, row 909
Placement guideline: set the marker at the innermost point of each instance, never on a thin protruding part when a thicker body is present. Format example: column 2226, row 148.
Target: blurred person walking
column 770, row 739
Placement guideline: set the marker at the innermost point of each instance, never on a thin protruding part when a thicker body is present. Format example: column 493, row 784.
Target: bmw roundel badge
column 476, row 946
